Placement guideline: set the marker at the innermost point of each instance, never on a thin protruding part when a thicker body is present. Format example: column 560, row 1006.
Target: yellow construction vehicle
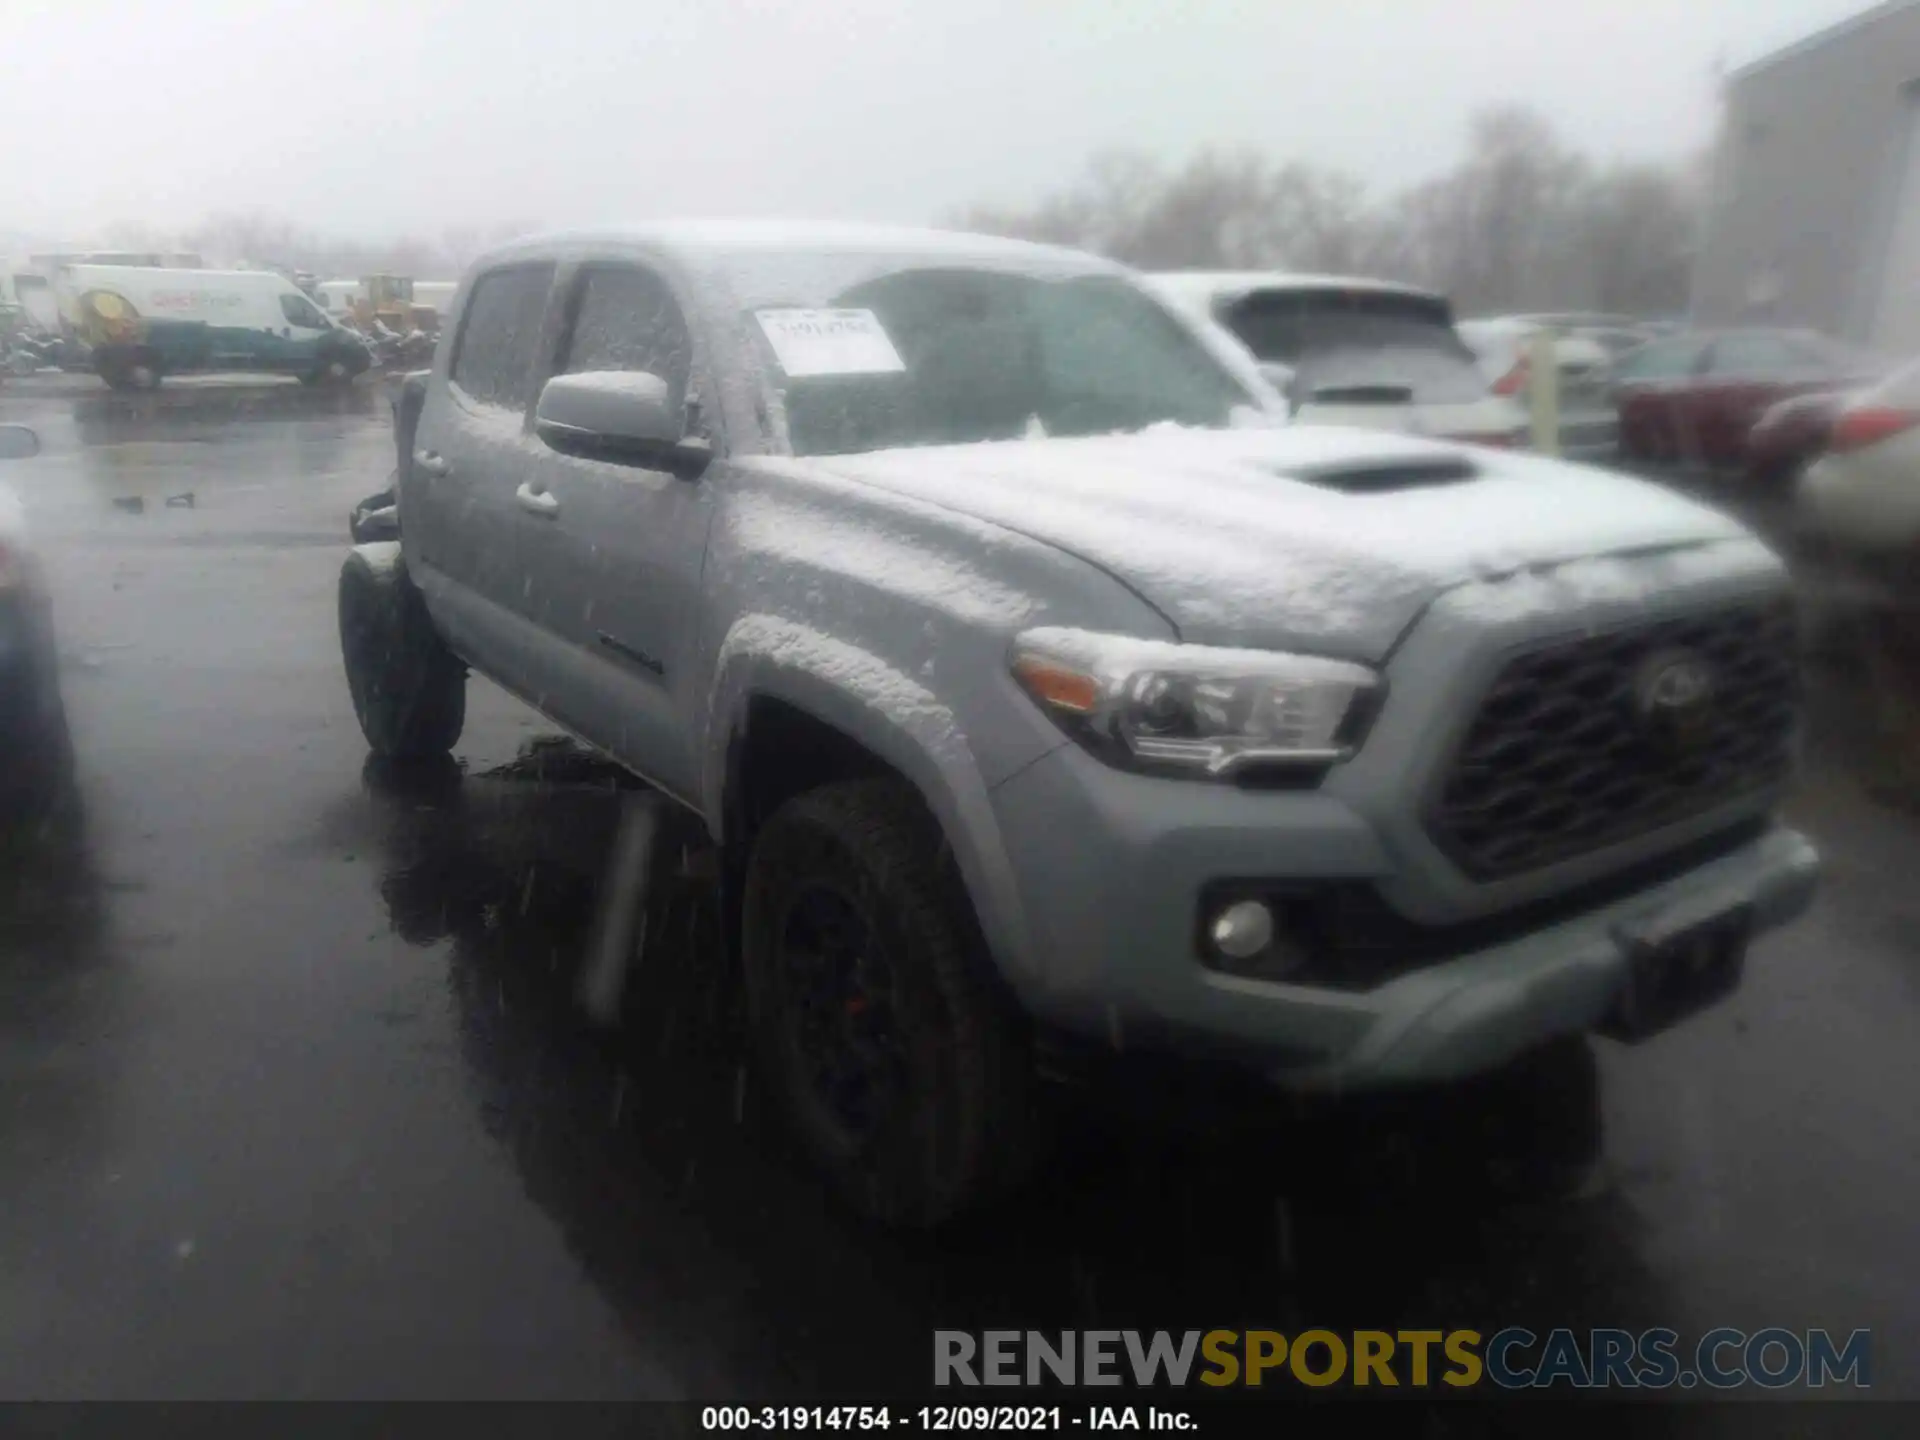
column 389, row 299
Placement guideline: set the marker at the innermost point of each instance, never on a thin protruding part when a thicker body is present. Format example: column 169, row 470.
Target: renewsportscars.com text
column 1511, row 1358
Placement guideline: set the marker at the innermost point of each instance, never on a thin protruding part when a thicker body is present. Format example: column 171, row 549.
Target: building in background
column 1814, row 217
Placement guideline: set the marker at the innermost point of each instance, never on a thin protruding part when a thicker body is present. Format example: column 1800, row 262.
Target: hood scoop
column 1362, row 395
column 1378, row 477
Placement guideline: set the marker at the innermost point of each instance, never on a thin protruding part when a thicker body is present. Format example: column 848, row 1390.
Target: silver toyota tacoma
column 1034, row 678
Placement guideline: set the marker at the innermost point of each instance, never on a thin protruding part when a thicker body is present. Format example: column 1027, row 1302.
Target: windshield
column 1354, row 340
column 955, row 356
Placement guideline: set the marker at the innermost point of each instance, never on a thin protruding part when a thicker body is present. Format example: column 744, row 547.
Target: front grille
column 1560, row 759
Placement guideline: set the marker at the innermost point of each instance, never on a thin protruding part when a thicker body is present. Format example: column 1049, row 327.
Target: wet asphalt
column 295, row 1100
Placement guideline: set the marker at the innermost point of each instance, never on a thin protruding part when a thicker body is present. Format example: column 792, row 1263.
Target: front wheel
column 142, row 372
column 334, row 370
column 409, row 690
column 876, row 1018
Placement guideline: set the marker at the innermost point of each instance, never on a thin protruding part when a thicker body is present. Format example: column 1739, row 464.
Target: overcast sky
column 411, row 116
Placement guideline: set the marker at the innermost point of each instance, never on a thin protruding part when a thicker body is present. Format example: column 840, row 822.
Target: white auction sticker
column 829, row 342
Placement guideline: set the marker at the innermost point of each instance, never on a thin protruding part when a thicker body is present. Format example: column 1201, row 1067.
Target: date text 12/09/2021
column 939, row 1419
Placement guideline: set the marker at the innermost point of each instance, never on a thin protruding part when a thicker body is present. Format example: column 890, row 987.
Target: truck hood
column 1312, row 537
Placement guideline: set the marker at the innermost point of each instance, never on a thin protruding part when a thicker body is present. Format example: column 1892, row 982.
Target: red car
column 1696, row 397
column 1790, row 433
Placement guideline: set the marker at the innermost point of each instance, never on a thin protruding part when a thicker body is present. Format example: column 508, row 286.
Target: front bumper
column 1475, row 1012
column 1111, row 869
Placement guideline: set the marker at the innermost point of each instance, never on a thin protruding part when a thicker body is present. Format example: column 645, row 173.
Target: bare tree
column 1522, row 222
column 1321, row 220
column 1104, row 211
column 1218, row 210
column 132, row 235
column 255, row 239
column 1640, row 230
column 1499, row 226
column 1215, row 213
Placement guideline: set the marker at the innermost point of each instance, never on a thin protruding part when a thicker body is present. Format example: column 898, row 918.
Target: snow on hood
column 1221, row 532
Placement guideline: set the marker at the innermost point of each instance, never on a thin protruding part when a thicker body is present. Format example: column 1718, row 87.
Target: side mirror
column 17, row 442
column 619, row 415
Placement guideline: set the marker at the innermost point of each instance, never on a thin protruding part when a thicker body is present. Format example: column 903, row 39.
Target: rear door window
column 1347, row 343
column 1761, row 356
column 1661, row 360
column 500, row 335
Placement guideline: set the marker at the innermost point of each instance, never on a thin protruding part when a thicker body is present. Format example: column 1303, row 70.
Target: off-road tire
column 409, row 690
column 37, row 771
column 965, row 1125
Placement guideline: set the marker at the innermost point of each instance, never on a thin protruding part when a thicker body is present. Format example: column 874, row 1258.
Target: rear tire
column 409, row 690
column 903, row 1067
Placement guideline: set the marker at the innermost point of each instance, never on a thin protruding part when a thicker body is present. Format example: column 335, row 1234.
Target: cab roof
column 696, row 240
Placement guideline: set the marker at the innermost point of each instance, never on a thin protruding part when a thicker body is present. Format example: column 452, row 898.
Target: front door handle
column 432, row 462
column 537, row 502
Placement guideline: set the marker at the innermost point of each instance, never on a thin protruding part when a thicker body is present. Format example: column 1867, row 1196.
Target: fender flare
column 892, row 716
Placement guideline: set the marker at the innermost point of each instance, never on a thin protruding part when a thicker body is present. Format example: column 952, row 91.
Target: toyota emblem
column 1673, row 694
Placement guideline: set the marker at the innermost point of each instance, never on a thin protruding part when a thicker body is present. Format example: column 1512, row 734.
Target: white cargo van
column 24, row 285
column 145, row 323
column 339, row 296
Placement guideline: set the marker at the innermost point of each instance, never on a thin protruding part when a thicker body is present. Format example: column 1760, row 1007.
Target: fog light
column 1242, row 930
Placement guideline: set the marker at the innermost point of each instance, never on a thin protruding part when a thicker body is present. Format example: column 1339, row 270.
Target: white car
column 1347, row 351
column 1589, row 426
column 1863, row 494
column 1616, row 334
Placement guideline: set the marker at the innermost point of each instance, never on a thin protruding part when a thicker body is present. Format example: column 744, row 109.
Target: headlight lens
column 1188, row 708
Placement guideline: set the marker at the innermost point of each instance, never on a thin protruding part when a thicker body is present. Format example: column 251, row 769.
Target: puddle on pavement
column 661, row 1160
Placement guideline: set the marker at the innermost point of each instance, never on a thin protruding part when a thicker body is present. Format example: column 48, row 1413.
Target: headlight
column 1151, row 704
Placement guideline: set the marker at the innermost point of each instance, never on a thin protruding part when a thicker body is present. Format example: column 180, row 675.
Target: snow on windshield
column 962, row 353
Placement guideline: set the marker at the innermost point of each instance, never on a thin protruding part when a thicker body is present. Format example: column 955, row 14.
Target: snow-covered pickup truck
column 1034, row 680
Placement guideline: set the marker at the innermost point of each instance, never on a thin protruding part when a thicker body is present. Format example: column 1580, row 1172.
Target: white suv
column 1371, row 353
